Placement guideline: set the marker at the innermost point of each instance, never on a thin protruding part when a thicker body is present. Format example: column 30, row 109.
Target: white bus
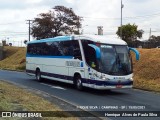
column 84, row 60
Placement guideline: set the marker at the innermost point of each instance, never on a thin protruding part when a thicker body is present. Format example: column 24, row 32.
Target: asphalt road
column 92, row 100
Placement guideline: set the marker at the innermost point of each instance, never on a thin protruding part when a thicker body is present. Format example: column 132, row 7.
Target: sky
column 106, row 13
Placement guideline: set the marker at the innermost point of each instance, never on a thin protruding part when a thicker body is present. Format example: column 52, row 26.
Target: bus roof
column 95, row 38
column 104, row 39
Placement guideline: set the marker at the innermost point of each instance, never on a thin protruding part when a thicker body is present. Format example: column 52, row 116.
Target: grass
column 149, row 85
column 147, row 70
column 13, row 98
column 14, row 58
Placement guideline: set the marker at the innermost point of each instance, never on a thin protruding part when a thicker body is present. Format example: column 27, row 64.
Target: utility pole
column 79, row 19
column 29, row 27
column 150, row 33
column 121, row 19
column 83, row 29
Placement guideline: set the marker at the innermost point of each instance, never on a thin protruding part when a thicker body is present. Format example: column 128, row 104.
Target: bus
column 92, row 61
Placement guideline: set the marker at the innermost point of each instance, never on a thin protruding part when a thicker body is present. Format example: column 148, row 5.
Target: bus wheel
column 38, row 75
column 78, row 82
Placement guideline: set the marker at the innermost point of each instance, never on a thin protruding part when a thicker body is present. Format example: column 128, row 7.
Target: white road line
column 46, row 84
column 52, row 86
column 57, row 87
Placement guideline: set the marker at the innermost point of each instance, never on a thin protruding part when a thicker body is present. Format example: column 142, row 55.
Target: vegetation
column 154, row 38
column 60, row 20
column 147, row 70
column 14, row 58
column 129, row 32
column 13, row 98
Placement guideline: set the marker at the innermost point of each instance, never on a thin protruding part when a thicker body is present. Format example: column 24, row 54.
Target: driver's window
column 90, row 54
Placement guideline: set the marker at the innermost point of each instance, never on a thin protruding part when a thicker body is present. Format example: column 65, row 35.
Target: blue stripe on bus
column 60, row 38
column 88, row 81
column 43, row 56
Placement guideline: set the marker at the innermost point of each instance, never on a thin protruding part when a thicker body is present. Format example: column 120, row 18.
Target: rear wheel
column 78, row 82
column 38, row 75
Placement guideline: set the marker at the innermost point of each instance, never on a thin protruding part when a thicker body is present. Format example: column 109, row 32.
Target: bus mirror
column 136, row 52
column 97, row 49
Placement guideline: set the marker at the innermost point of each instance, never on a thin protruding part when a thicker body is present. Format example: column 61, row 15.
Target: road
column 89, row 99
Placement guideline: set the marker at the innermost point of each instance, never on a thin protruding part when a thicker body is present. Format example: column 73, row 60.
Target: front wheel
column 78, row 83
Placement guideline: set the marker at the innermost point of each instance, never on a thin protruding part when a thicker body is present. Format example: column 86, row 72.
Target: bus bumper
column 104, row 85
column 113, row 87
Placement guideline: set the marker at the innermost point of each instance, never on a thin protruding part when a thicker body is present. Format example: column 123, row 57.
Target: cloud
column 94, row 12
column 70, row 1
column 12, row 4
column 26, row 4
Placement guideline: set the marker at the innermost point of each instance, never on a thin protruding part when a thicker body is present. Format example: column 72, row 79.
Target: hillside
column 146, row 70
column 14, row 58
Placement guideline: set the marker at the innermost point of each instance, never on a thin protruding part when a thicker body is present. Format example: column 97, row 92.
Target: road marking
column 52, row 86
column 57, row 87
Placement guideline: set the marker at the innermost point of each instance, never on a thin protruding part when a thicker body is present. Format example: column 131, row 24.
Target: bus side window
column 91, row 57
column 76, row 49
column 77, row 54
column 29, row 49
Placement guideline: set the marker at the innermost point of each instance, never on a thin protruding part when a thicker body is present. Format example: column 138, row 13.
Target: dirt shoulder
column 15, row 97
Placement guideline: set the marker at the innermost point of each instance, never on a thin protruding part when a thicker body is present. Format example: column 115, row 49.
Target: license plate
column 118, row 86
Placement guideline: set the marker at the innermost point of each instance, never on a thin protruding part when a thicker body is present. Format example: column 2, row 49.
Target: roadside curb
column 13, row 70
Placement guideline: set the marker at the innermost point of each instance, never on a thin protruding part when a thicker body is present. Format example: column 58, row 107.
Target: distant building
column 100, row 30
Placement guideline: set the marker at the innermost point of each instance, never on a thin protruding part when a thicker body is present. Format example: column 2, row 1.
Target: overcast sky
column 106, row 13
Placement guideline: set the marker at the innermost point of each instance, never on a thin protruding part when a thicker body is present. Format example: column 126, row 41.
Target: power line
column 14, row 34
column 86, row 17
column 2, row 32
column 17, row 22
column 129, row 17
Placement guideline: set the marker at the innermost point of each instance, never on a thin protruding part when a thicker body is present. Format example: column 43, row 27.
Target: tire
column 38, row 75
column 78, row 82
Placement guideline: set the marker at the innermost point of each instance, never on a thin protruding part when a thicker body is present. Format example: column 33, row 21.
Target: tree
column 10, row 44
column 154, row 38
column 129, row 32
column 60, row 20
column 154, row 41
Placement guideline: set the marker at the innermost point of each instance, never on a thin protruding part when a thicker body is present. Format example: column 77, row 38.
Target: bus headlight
column 130, row 79
column 104, row 78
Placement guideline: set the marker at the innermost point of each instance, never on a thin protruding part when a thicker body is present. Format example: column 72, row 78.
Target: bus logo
column 73, row 63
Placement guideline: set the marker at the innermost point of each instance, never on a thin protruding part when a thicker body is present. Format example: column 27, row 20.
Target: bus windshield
column 115, row 60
